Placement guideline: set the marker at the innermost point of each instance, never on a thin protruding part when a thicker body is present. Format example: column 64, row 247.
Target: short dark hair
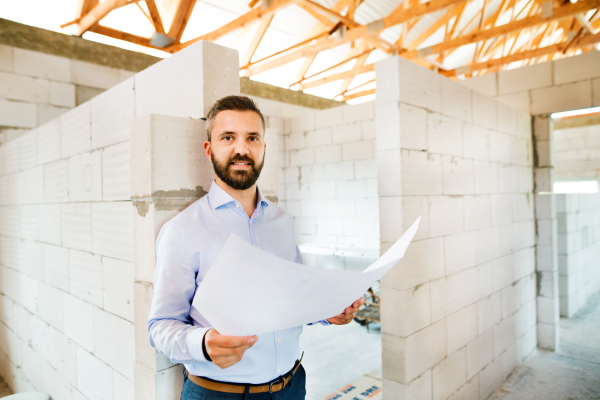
column 235, row 103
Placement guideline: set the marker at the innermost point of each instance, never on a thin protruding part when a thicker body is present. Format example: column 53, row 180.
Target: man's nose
column 241, row 147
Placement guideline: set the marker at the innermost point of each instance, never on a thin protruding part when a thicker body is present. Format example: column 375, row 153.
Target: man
column 218, row 365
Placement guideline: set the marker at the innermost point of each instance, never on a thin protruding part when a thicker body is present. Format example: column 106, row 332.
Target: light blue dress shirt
column 186, row 248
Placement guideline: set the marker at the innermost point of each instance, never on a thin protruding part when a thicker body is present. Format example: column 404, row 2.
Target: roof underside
column 328, row 47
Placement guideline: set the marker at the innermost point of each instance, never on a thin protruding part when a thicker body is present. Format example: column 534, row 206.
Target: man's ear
column 207, row 150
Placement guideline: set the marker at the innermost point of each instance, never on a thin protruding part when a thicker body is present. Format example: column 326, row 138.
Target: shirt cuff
column 194, row 343
column 323, row 322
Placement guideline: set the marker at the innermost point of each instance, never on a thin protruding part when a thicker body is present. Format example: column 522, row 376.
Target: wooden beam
column 360, row 32
column 85, row 6
column 258, row 35
column 113, row 33
column 358, row 94
column 542, row 51
column 96, row 14
column 529, row 22
column 344, row 61
column 336, row 77
column 250, row 16
column 356, row 87
column 320, row 17
column 359, row 63
column 181, row 18
column 156, row 20
column 432, row 29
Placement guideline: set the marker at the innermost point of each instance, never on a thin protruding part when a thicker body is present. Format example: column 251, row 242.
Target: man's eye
column 254, row 139
column 227, row 138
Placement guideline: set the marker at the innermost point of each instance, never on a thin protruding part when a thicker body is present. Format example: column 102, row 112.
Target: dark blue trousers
column 294, row 390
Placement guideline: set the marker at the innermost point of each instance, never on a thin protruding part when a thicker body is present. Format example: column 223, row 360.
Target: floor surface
column 572, row 373
column 335, row 356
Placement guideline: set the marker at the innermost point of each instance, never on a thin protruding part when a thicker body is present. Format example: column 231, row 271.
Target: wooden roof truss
column 533, row 31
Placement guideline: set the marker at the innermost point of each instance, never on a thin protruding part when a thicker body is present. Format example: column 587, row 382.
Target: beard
column 237, row 179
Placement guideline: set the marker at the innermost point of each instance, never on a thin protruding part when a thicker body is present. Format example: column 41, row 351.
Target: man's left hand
column 348, row 314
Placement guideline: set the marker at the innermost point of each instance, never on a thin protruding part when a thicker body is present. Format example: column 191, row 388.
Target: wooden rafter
column 358, row 94
column 360, row 61
column 559, row 13
column 156, row 20
column 556, row 48
column 96, row 14
column 356, row 87
column 250, row 16
column 336, row 77
column 258, row 35
column 181, row 18
column 113, row 33
column 360, row 32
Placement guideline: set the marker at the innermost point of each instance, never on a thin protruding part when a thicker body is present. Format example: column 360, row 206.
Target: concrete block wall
column 578, row 217
column 328, row 182
column 577, row 153
column 35, row 87
column 459, row 311
column 69, row 307
column 567, row 84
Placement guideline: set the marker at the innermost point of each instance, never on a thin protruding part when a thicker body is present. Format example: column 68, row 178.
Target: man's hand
column 348, row 314
column 226, row 351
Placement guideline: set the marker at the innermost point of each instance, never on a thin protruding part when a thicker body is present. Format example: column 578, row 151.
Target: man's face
column 237, row 148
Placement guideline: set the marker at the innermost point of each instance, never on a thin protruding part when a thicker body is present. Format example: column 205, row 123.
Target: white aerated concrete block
column 116, row 173
column 7, row 58
column 486, row 84
column 112, row 230
column 520, row 101
column 76, row 131
column 421, row 173
column 48, row 142
column 476, row 142
column 85, row 177
column 504, row 335
column 489, row 311
column 117, row 279
column 295, row 141
column 62, row 355
column 114, row 342
column 457, row 176
column 189, row 83
column 447, row 296
column 596, row 91
column 449, row 375
column 480, row 352
column 49, row 223
column 388, row 126
column 76, row 226
column 405, row 312
column 56, row 266
column 27, row 144
column 459, row 252
column 321, row 137
column 47, row 113
column 478, row 212
column 85, row 276
column 414, row 207
column 51, row 306
column 462, row 328
column 419, row 388
column 347, row 133
column 33, row 189
column 319, row 155
column 583, row 66
column 363, row 150
column 456, row 100
column 123, row 388
column 419, row 352
column 79, row 321
column 358, row 112
column 507, row 119
column 24, row 88
column 94, row 378
column 423, row 262
column 112, row 113
column 34, row 63
column 570, row 96
column 18, row 114
column 62, row 94
column 444, row 135
column 525, row 78
column 329, row 118
column 93, row 75
column 445, row 215
column 485, row 111
column 490, row 378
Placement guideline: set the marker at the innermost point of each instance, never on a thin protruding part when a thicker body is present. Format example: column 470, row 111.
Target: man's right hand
column 226, row 351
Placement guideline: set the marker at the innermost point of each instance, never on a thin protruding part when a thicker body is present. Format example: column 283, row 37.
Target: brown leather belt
column 271, row 387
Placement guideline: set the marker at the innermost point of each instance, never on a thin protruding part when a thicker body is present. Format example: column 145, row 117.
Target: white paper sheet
column 248, row 291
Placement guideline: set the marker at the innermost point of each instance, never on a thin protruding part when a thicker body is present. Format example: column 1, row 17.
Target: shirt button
column 237, row 205
column 250, row 222
column 278, row 371
column 279, row 340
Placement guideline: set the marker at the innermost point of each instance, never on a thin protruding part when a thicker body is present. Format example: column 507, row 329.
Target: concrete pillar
column 548, row 311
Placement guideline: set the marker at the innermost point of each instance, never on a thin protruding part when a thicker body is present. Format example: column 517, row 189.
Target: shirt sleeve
column 170, row 329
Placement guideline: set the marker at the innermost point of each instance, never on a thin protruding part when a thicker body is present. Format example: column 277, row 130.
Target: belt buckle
column 280, row 380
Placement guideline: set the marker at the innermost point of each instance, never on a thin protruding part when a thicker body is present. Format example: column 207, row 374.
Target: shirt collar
column 218, row 197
